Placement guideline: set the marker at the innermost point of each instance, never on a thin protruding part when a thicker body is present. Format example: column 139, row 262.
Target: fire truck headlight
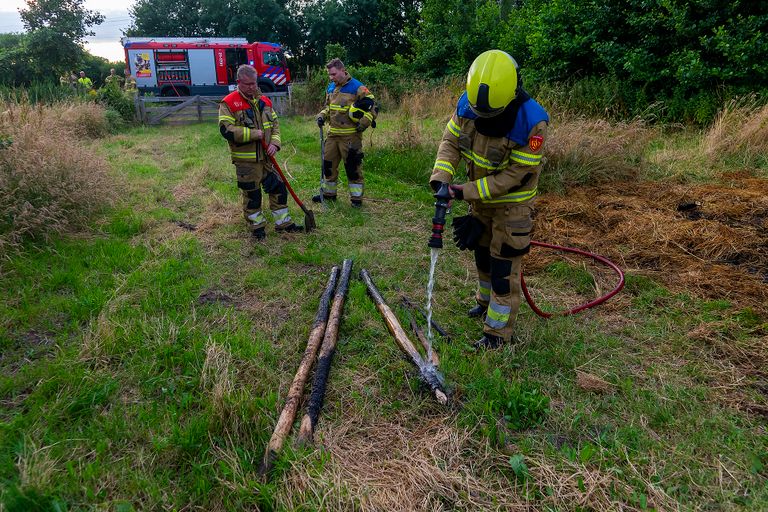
column 251, row 63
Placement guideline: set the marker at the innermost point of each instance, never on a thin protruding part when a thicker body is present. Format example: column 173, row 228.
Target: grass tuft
column 739, row 133
column 590, row 152
column 50, row 182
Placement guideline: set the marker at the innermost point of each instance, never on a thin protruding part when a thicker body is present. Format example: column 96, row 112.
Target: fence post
column 199, row 108
column 137, row 108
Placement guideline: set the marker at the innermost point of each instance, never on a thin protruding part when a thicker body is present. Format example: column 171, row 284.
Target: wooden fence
column 193, row 109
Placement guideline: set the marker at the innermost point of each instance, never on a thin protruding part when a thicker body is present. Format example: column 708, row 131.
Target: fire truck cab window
column 235, row 58
column 272, row 59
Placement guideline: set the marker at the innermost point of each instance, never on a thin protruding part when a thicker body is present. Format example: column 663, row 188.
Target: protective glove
column 458, row 191
column 467, row 231
column 320, row 121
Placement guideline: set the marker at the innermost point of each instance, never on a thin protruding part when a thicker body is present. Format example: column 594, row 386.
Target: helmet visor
column 482, row 107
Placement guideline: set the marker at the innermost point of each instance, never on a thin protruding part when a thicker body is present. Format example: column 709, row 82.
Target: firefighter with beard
column 499, row 131
column 350, row 110
column 245, row 117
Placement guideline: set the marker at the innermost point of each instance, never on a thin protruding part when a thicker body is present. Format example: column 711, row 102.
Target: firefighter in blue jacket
column 499, row 131
column 350, row 110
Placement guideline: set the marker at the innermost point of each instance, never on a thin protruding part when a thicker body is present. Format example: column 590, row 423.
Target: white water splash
column 430, row 287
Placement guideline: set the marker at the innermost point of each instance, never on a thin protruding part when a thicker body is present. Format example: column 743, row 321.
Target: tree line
column 691, row 53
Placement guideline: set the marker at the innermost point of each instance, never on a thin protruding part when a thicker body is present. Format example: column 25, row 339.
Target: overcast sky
column 106, row 42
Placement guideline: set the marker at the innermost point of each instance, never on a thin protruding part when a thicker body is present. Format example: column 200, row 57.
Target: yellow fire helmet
column 491, row 83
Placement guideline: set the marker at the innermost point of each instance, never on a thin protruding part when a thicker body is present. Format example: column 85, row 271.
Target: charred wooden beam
column 324, row 358
column 419, row 333
column 409, row 304
column 427, row 371
column 296, row 390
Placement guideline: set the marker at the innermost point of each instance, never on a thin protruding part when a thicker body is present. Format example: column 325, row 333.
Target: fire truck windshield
column 274, row 59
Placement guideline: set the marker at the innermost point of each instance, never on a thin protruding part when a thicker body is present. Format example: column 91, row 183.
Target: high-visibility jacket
column 85, row 82
column 130, row 83
column 349, row 108
column 239, row 118
column 500, row 170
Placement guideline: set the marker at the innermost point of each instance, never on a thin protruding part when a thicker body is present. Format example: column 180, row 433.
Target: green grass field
column 144, row 365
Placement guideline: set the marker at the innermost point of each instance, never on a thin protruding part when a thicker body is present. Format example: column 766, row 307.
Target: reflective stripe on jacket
column 339, row 99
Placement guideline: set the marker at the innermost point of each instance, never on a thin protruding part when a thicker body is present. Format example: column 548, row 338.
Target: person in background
column 129, row 85
column 84, row 83
column 245, row 118
column 113, row 79
column 349, row 110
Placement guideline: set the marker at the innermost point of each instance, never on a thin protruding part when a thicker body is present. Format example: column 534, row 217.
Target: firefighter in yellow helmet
column 499, row 132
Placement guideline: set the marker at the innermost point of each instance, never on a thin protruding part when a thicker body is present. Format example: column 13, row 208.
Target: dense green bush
column 307, row 96
column 676, row 61
column 114, row 99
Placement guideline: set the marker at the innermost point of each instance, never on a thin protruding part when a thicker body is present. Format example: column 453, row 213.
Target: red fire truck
column 180, row 66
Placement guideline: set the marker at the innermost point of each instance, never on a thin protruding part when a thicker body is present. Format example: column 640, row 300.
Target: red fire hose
column 582, row 307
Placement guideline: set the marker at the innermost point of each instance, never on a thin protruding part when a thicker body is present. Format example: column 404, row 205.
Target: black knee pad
column 246, row 185
column 508, row 251
column 273, row 185
column 354, row 159
column 483, row 259
column 254, row 199
column 500, row 270
column 327, row 168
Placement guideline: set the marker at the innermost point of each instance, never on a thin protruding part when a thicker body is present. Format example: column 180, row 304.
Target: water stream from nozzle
column 430, row 288
column 442, row 196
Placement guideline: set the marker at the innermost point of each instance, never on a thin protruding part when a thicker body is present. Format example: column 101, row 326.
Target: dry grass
column 49, row 181
column 583, row 151
column 740, row 131
column 217, row 375
column 390, row 466
column 718, row 253
column 593, row 383
column 432, row 101
column 35, row 465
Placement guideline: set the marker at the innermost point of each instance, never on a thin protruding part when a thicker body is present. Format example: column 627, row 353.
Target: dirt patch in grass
column 29, row 346
column 267, row 312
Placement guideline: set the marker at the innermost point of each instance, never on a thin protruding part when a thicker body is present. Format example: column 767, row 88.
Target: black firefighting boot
column 291, row 228
column 357, row 203
column 489, row 342
column 259, row 234
column 319, row 198
column 477, row 311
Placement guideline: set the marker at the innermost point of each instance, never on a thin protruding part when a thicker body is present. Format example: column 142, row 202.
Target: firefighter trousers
column 505, row 240
column 348, row 148
column 252, row 177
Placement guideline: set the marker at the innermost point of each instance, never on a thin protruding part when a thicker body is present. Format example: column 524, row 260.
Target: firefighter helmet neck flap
column 491, row 83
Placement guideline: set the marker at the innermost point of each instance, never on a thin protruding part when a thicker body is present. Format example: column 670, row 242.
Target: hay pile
column 710, row 240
